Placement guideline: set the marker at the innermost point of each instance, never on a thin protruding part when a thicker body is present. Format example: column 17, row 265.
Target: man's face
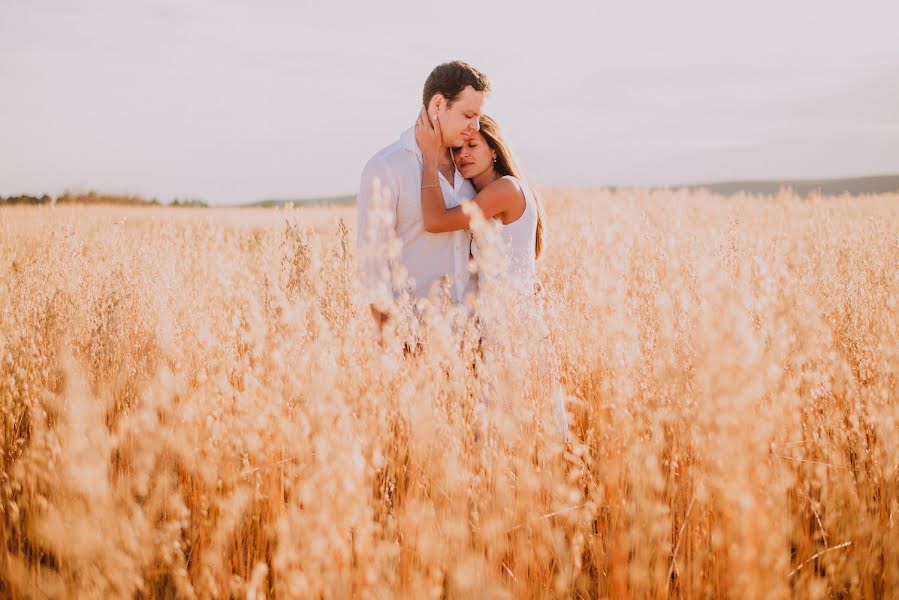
column 459, row 121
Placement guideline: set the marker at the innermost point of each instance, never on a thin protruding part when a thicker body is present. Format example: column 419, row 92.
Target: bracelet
column 437, row 185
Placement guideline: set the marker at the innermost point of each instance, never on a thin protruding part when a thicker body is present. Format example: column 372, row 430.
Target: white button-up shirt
column 389, row 210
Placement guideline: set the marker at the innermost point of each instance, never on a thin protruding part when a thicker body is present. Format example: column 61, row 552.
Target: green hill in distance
column 272, row 203
column 875, row 184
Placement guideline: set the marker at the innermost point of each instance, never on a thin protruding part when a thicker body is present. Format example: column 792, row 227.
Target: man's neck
column 446, row 165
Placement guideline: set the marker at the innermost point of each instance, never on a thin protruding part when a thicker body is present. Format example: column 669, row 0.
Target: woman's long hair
column 506, row 165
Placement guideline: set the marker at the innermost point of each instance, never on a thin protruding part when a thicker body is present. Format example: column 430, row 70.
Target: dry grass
column 193, row 406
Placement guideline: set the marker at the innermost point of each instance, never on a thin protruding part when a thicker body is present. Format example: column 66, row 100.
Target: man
column 389, row 201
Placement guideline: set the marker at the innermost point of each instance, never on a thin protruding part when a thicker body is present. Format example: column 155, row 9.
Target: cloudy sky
column 233, row 101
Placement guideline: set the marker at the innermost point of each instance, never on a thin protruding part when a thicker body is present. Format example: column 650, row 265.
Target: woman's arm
column 496, row 198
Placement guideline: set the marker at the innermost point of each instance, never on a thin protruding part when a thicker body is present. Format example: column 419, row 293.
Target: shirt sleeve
column 375, row 231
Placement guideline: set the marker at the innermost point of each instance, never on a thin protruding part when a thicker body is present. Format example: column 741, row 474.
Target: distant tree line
column 95, row 198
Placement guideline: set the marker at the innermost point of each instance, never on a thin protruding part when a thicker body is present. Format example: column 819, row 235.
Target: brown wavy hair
column 506, row 165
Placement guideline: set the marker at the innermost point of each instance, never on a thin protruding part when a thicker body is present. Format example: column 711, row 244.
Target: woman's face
column 474, row 156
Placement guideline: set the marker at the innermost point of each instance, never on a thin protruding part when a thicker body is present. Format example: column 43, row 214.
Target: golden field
column 195, row 404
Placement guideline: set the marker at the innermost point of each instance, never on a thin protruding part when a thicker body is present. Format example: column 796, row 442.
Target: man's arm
column 376, row 218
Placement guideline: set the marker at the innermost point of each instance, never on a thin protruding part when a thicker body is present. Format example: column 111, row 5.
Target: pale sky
column 233, row 101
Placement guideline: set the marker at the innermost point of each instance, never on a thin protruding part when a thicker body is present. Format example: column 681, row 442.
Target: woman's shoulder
column 519, row 185
column 507, row 194
column 508, row 185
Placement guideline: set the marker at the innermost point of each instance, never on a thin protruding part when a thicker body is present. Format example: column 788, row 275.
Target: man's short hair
column 450, row 78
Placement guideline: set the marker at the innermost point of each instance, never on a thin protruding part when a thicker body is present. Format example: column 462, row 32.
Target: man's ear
column 437, row 104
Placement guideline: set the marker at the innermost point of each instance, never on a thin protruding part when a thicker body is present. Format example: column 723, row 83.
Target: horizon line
column 344, row 196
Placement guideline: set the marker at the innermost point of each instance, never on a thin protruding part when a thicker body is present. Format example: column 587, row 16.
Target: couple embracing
column 448, row 193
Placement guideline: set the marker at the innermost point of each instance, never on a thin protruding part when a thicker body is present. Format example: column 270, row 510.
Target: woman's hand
column 428, row 136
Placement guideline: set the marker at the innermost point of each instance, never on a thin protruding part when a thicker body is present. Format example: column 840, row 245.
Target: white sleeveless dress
column 512, row 279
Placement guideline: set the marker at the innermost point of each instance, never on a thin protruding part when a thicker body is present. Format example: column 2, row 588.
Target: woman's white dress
column 510, row 308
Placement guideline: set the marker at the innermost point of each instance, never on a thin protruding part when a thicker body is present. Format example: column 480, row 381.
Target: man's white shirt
column 390, row 201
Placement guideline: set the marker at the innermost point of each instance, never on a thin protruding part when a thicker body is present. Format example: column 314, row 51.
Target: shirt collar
column 407, row 141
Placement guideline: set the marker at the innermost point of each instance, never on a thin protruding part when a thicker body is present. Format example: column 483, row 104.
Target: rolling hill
column 878, row 184
column 875, row 184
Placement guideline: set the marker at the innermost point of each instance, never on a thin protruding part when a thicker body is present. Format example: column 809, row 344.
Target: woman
column 514, row 222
